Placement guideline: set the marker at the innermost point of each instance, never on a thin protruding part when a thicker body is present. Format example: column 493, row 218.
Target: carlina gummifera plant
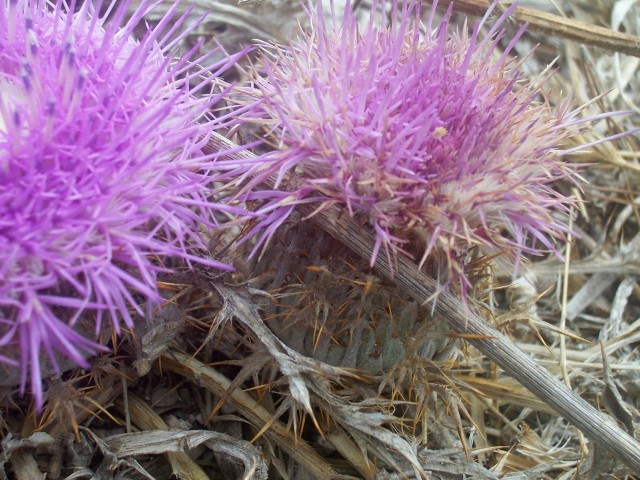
column 429, row 135
column 102, row 173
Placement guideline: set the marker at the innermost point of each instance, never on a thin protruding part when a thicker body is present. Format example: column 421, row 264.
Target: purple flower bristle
column 431, row 135
column 102, row 173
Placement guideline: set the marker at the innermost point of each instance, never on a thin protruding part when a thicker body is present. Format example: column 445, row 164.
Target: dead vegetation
column 308, row 364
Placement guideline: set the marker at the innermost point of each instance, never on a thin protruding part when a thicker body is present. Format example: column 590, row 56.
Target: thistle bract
column 429, row 135
column 102, row 176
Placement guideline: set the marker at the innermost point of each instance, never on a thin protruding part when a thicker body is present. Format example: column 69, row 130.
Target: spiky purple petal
column 102, row 173
column 430, row 135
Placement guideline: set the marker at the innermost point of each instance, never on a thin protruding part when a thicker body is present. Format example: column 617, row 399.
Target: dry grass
column 307, row 364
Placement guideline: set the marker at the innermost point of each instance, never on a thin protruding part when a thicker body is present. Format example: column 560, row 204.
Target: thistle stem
column 562, row 27
column 483, row 336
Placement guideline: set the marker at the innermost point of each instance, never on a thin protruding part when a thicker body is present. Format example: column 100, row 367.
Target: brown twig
column 481, row 335
column 558, row 26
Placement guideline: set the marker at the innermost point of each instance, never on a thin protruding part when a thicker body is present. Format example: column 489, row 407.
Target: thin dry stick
column 563, row 315
column 558, row 26
column 354, row 454
column 481, row 335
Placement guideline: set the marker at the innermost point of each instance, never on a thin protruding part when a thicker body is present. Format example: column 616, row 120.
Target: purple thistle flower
column 428, row 135
column 102, row 173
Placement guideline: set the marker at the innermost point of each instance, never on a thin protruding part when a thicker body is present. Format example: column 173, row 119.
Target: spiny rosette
column 430, row 135
column 102, row 173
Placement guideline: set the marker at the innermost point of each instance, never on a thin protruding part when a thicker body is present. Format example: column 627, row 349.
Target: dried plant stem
column 503, row 393
column 485, row 338
column 558, row 26
column 259, row 416
column 481, row 335
column 24, row 465
column 349, row 450
column 145, row 418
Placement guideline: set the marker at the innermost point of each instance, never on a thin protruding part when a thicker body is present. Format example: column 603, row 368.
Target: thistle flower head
column 429, row 135
column 102, row 174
